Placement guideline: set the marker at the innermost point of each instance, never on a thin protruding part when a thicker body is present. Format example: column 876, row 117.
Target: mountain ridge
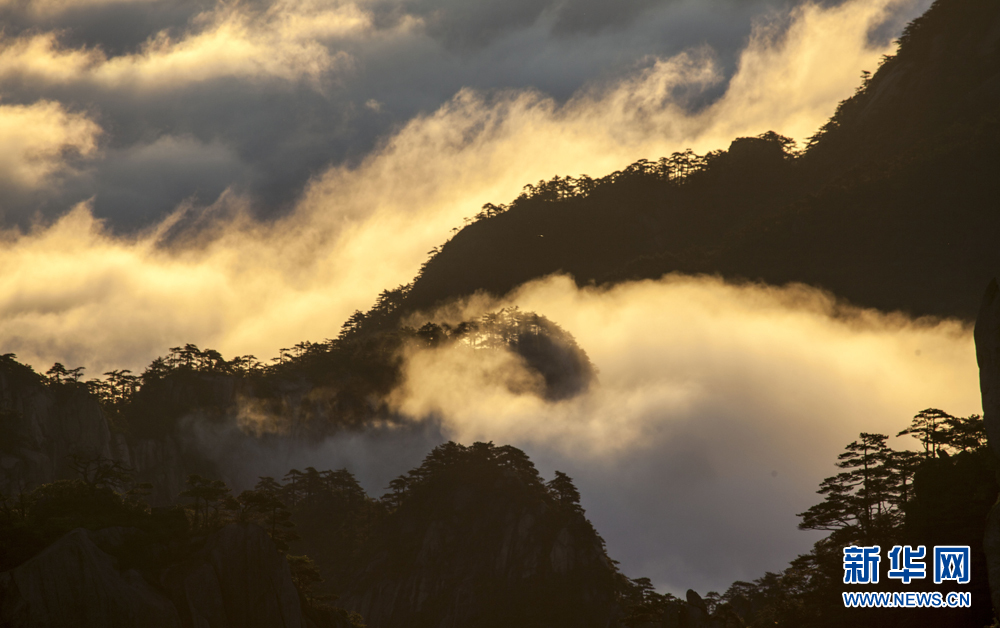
column 905, row 163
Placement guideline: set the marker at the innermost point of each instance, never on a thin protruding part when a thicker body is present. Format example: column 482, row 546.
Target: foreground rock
column 236, row 579
column 987, row 337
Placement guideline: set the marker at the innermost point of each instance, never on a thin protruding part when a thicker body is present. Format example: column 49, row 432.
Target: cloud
column 594, row 15
column 475, row 25
column 49, row 7
column 228, row 41
column 141, row 177
column 719, row 407
column 286, row 87
column 252, row 287
column 718, row 411
column 41, row 140
column 375, row 456
column 116, row 27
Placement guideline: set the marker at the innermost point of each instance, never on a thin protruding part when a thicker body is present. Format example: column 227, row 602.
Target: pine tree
column 561, row 487
column 209, row 498
column 862, row 503
column 928, row 426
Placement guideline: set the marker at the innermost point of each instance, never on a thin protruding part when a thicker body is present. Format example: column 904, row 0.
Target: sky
column 244, row 175
column 143, row 105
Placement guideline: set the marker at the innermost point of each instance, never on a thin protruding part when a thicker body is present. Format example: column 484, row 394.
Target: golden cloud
column 790, row 358
column 285, row 41
column 718, row 411
column 37, row 139
column 81, row 295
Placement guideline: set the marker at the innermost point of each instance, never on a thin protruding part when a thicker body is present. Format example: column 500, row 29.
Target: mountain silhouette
column 892, row 204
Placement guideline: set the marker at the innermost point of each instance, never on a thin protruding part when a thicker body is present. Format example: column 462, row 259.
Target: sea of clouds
column 243, row 176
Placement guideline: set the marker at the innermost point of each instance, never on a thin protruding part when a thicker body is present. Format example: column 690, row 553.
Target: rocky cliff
column 987, row 336
column 170, row 428
column 478, row 540
column 235, row 578
column 40, row 427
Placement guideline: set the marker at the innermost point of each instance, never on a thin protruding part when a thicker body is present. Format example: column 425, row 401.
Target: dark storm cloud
column 279, row 130
column 117, row 27
column 463, row 24
column 471, row 25
column 261, row 141
column 590, row 16
column 199, row 141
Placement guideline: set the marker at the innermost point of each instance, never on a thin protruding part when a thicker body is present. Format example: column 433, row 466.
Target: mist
column 718, row 411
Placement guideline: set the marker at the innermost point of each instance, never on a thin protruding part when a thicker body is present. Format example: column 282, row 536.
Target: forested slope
column 893, row 203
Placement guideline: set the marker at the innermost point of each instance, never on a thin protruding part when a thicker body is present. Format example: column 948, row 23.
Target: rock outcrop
column 987, row 335
column 185, row 422
column 479, row 541
column 461, row 576
column 74, row 583
column 40, row 427
column 236, row 579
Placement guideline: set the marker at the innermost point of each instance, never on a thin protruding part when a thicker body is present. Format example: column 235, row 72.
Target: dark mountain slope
column 894, row 204
column 941, row 89
column 675, row 209
column 232, row 578
column 474, row 538
column 921, row 236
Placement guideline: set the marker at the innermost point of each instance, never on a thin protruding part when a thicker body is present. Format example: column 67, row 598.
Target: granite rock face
column 75, row 583
column 190, row 422
column 482, row 553
column 987, row 335
column 40, row 428
column 237, row 579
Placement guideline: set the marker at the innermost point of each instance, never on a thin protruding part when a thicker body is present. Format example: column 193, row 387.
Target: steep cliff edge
column 40, row 427
column 43, row 424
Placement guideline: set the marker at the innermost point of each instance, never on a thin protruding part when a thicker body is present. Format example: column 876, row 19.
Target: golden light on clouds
column 285, row 41
column 37, row 139
column 791, row 358
column 728, row 403
column 76, row 294
column 796, row 75
column 718, row 410
column 51, row 7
